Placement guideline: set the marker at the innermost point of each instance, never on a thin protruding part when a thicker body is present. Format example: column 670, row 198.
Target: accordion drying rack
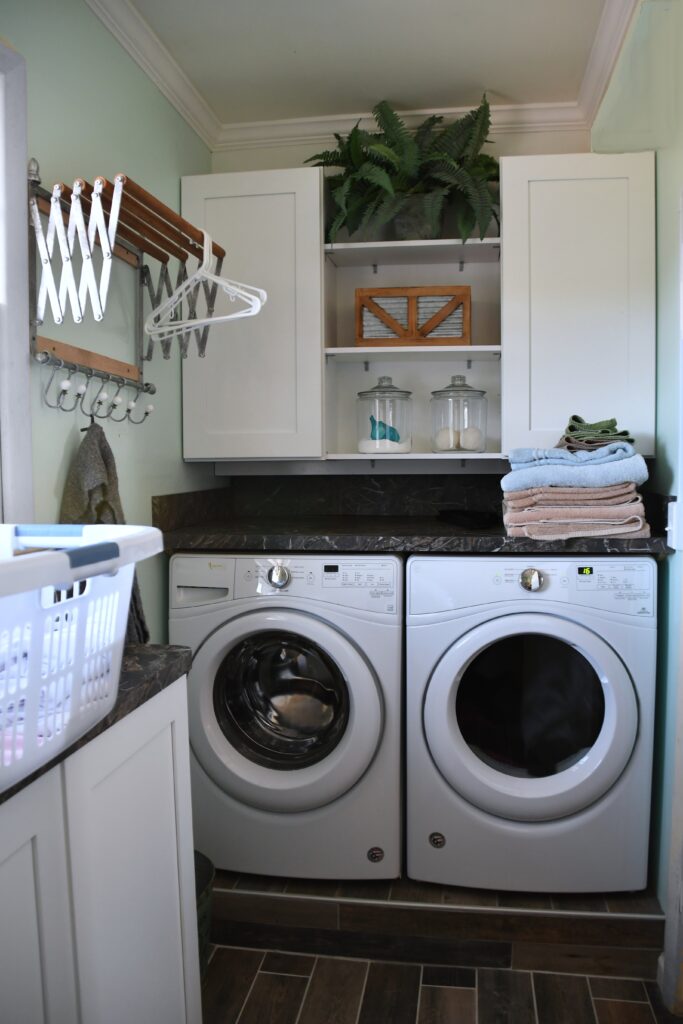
column 127, row 223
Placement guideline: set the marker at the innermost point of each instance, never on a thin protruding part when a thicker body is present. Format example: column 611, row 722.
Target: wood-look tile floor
column 253, row 986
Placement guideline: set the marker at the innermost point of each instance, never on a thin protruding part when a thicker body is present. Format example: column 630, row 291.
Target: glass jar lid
column 385, row 389
column 458, row 388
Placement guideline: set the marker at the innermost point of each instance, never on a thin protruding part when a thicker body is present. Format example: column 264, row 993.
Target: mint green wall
column 642, row 110
column 92, row 110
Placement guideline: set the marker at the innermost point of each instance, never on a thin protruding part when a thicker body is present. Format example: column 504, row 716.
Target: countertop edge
column 146, row 670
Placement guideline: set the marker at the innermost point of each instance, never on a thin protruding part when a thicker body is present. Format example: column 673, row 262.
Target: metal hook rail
column 60, row 393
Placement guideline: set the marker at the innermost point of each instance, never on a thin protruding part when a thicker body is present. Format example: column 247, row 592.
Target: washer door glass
column 285, row 711
column 281, row 700
column 530, row 717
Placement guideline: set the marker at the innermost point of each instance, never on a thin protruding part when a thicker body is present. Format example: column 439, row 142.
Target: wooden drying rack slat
column 91, row 360
column 147, row 201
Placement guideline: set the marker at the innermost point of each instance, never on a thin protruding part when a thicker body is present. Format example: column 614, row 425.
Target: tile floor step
column 613, row 936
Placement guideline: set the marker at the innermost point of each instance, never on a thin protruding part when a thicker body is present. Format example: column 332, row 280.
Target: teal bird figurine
column 379, row 431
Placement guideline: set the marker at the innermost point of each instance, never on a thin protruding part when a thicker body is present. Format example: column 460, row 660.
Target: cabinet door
column 36, row 951
column 130, row 839
column 577, row 295
column 258, row 391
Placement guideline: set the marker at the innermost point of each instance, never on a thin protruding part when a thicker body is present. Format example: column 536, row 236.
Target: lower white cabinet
column 37, row 967
column 118, row 914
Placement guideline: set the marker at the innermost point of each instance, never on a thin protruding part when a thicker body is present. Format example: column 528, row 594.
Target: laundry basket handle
column 92, row 554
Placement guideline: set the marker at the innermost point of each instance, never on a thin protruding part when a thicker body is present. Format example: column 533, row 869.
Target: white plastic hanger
column 160, row 322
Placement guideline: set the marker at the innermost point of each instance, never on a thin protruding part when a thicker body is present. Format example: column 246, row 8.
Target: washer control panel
column 371, row 583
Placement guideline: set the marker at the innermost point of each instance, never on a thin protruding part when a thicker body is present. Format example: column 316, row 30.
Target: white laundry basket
column 64, row 598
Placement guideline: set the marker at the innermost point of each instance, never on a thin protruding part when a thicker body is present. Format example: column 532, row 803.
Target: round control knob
column 279, row 576
column 531, row 579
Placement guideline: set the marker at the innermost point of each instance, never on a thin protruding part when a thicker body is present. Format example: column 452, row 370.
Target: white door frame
column 16, row 466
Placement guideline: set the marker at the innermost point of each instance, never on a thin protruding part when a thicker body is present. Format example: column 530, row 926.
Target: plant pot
column 416, row 220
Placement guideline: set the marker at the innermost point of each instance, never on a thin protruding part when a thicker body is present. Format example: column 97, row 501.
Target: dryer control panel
column 626, row 586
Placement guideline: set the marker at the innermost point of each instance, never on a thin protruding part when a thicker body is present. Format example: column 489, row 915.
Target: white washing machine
column 529, row 716
column 295, row 710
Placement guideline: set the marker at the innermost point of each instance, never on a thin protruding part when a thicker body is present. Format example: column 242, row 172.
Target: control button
column 497, row 580
column 531, row 580
column 279, row 576
column 564, row 581
column 310, row 577
column 248, row 575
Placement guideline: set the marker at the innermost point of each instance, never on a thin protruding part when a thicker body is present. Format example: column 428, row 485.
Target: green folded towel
column 581, row 434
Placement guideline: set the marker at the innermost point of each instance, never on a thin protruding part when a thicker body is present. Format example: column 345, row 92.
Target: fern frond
column 391, row 125
column 481, row 123
column 375, row 176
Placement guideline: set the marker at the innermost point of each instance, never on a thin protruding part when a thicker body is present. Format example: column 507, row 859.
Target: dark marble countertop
column 384, row 534
column 146, row 670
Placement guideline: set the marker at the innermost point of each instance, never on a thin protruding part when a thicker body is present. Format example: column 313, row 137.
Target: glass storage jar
column 384, row 419
column 458, row 418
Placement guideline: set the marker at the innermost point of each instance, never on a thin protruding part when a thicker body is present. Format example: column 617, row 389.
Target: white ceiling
column 229, row 64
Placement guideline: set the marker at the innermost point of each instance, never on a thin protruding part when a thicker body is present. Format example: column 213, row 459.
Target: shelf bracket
column 461, row 266
column 374, row 268
column 469, row 364
column 366, row 365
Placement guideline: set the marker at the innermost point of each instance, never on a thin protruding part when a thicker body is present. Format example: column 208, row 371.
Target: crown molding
column 530, row 117
column 141, row 43
column 616, row 19
column 147, row 50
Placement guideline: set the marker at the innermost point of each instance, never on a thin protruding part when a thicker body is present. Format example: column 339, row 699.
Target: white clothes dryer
column 530, row 707
column 294, row 706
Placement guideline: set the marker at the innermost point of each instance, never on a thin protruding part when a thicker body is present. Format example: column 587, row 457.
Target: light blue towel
column 521, row 458
column 630, row 470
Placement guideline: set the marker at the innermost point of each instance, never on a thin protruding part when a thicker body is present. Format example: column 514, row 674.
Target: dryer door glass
column 530, row 705
column 280, row 700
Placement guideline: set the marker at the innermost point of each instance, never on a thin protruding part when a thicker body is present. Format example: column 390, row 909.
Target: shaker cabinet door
column 37, row 978
column 130, row 839
column 578, row 295
column 258, row 391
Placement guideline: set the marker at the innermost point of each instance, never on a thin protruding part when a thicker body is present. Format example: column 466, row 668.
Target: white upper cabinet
column 564, row 324
column 258, row 392
column 577, row 295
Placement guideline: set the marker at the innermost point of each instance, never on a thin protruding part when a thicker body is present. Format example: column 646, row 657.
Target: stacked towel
column 556, row 494
column 582, row 436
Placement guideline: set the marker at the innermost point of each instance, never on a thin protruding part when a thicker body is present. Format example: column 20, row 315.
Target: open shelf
column 435, row 456
column 368, row 353
column 437, row 250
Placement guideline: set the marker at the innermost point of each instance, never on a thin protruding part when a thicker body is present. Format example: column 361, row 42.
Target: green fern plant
column 382, row 172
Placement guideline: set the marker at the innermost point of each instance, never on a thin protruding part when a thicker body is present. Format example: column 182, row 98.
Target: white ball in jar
column 471, row 439
column 446, row 439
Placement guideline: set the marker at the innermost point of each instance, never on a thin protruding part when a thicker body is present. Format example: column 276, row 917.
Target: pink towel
column 614, row 514
column 556, row 531
column 615, row 494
